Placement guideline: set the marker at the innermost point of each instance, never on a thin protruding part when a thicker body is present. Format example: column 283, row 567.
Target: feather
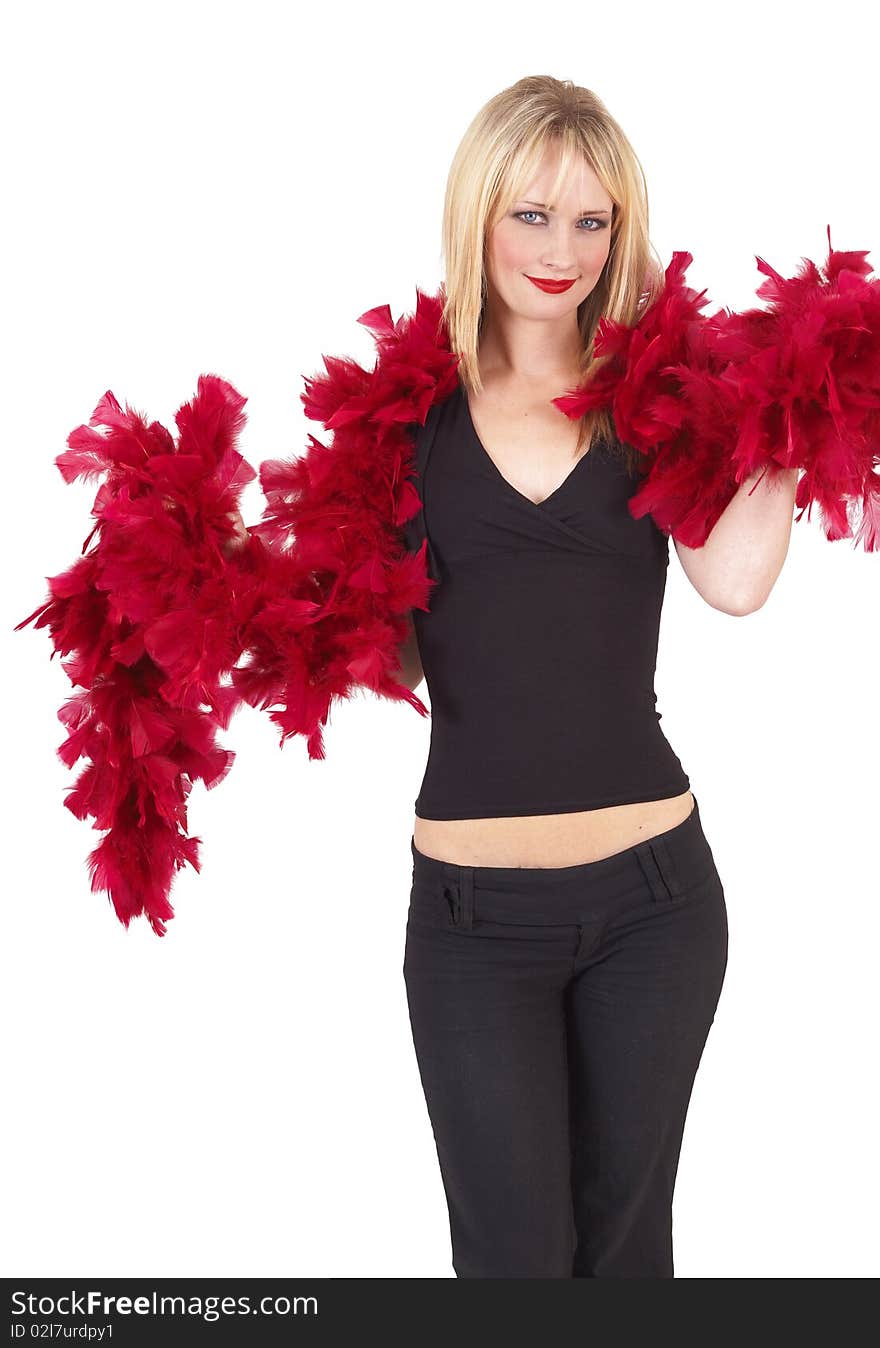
column 150, row 620
column 165, row 629
column 710, row 399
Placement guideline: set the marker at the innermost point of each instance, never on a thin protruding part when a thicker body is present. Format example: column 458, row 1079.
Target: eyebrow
column 544, row 207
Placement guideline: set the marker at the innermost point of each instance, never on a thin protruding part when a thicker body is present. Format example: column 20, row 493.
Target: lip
column 550, row 287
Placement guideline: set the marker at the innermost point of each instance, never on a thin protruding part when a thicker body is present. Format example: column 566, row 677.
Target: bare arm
column 740, row 561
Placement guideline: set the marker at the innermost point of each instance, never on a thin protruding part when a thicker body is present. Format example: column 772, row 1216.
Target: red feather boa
column 156, row 617
column 710, row 400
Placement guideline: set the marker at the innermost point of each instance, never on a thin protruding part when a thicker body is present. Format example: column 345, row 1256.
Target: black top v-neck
column 473, row 435
column 540, row 646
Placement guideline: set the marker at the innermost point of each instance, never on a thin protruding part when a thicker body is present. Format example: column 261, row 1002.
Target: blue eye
column 600, row 224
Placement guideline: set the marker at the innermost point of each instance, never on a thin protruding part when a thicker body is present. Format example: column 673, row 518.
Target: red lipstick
column 551, row 287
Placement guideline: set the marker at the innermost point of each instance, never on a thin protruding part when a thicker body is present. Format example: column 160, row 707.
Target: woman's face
column 569, row 242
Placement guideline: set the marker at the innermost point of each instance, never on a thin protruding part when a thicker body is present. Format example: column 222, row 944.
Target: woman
column 567, row 935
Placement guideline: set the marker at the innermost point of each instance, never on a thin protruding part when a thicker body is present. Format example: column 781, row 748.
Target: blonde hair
column 493, row 164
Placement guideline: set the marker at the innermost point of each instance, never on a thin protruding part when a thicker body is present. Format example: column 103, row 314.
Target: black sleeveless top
column 540, row 646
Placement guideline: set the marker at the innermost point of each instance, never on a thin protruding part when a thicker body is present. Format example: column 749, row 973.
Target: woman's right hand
column 239, row 538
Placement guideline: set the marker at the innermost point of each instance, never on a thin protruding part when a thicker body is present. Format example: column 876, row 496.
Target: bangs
column 522, row 168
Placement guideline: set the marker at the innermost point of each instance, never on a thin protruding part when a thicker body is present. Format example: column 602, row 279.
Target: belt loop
column 654, row 876
column 668, row 868
column 466, row 897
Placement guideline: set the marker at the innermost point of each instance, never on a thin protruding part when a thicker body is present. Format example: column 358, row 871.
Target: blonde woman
column 566, row 940
column 567, row 932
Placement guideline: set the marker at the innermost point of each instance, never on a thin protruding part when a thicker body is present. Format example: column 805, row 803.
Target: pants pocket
column 431, row 904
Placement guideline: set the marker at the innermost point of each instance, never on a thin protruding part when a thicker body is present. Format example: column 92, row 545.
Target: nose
column 559, row 264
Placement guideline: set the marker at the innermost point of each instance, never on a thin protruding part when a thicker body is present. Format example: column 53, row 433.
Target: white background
column 225, row 188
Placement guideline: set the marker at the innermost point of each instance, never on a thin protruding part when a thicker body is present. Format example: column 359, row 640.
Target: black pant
column 559, row 1016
